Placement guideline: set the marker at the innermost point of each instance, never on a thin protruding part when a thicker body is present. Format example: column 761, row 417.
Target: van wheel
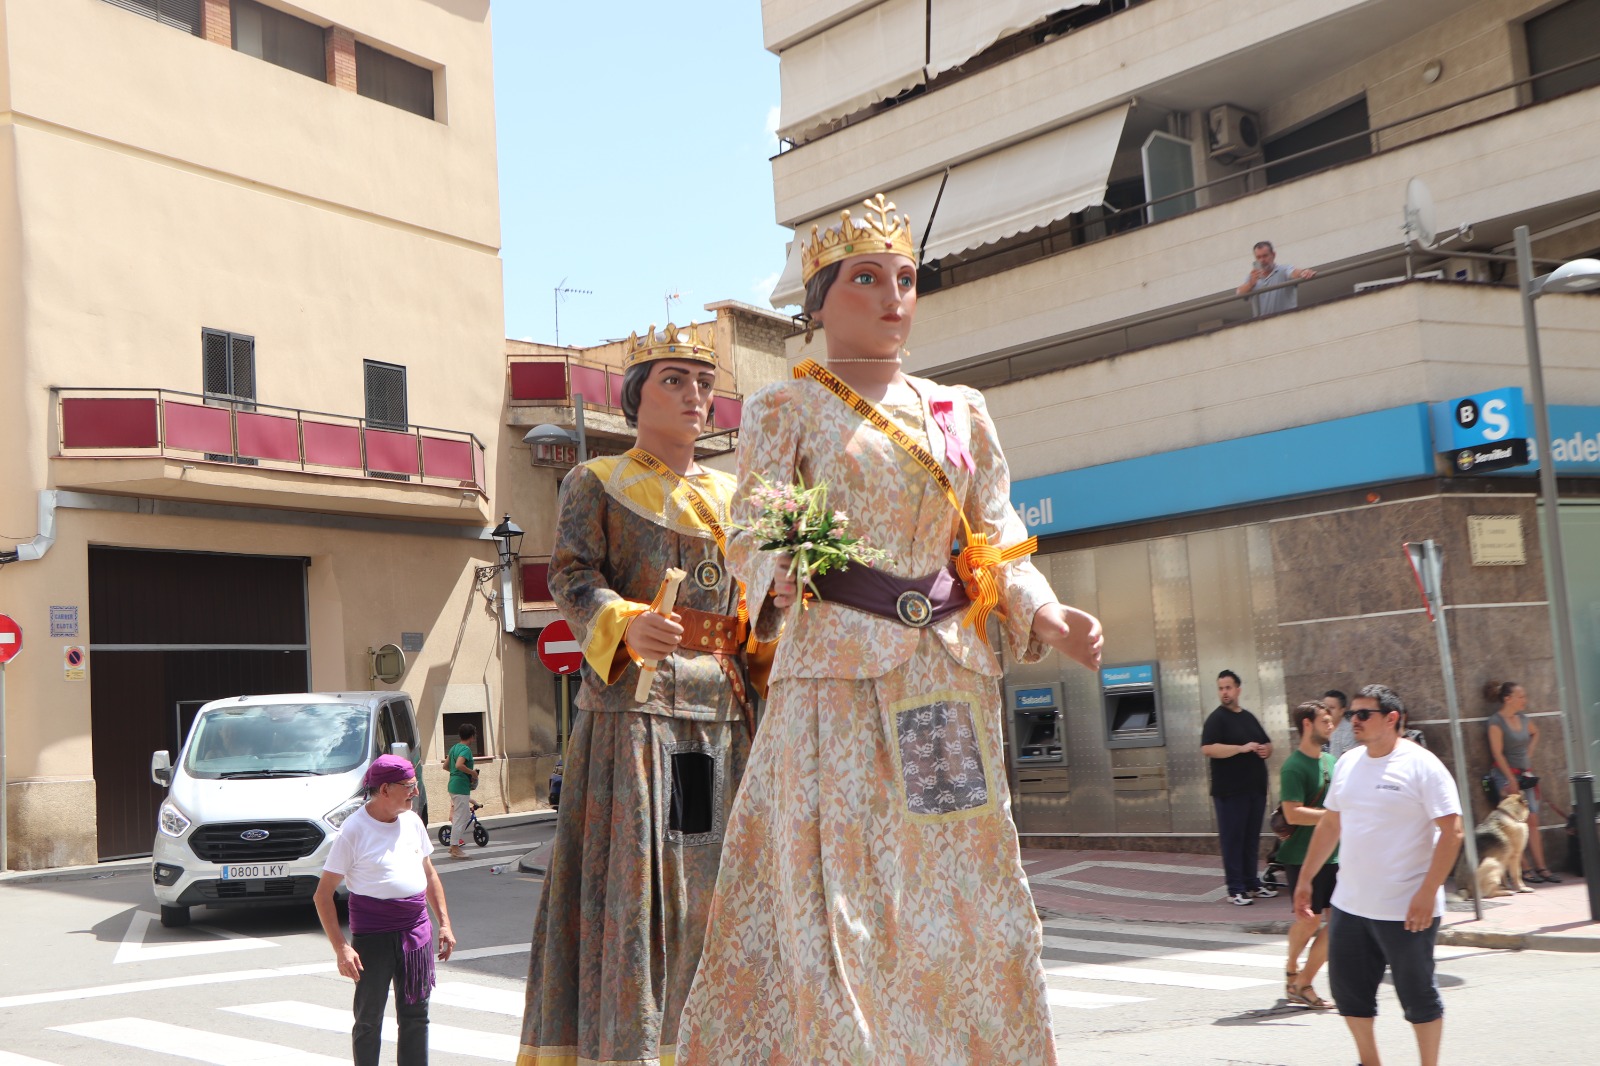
column 173, row 917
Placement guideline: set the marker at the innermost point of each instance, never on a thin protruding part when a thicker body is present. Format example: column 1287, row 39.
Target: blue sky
column 633, row 141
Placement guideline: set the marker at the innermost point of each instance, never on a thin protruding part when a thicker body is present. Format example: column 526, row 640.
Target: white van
column 260, row 789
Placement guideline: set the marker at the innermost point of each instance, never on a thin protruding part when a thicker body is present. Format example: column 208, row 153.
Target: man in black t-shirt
column 1238, row 749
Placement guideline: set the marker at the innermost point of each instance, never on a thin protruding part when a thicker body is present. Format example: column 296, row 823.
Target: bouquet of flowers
column 796, row 519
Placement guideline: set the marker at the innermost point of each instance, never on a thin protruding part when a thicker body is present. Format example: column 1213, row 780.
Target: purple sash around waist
column 407, row 916
column 913, row 601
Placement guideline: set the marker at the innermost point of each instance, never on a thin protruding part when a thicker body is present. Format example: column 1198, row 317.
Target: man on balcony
column 1266, row 273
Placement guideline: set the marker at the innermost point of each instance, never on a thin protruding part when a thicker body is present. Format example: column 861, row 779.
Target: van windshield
column 278, row 740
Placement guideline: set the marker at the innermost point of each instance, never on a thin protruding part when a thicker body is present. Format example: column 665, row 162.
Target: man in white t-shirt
column 1393, row 811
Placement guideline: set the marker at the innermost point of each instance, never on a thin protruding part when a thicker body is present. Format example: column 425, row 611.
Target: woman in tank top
column 1512, row 735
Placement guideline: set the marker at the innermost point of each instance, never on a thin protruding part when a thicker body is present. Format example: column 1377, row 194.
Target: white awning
column 785, row 23
column 1023, row 187
column 868, row 57
column 963, row 28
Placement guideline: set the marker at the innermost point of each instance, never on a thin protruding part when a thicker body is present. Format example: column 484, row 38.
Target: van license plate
column 255, row 870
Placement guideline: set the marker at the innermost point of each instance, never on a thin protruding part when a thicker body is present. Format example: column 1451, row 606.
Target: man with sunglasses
column 1393, row 812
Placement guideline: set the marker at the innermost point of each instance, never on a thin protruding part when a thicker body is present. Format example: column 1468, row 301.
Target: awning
column 961, row 28
column 869, row 57
column 1019, row 188
column 785, row 23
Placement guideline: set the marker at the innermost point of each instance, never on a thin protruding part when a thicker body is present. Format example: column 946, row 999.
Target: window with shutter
column 386, row 396
column 179, row 14
column 386, row 406
column 1562, row 35
column 228, row 376
column 280, row 39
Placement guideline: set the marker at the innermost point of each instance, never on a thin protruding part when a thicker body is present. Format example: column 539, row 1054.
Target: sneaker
column 1263, row 892
column 1240, row 899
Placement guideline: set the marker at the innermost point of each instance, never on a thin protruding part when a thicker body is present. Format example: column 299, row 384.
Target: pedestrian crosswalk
column 1089, row 966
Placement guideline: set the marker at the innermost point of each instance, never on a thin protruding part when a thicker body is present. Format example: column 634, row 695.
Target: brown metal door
column 167, row 627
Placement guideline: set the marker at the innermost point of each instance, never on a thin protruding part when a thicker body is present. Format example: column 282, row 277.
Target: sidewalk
column 1133, row 886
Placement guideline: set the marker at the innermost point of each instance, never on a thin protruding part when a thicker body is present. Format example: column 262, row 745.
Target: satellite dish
column 388, row 663
column 1421, row 226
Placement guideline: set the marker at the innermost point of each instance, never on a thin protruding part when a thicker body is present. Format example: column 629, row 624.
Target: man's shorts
column 1321, row 885
column 1360, row 949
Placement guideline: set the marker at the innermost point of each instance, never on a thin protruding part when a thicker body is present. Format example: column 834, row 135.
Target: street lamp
column 1577, row 276
column 545, row 433
column 507, row 537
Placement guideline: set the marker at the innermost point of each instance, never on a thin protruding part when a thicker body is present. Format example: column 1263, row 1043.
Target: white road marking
column 479, row 997
column 1070, row 997
column 486, row 953
column 1139, row 976
column 134, row 949
column 1168, row 932
column 1156, row 951
column 184, row 1043
column 11, row 1058
column 442, row 1038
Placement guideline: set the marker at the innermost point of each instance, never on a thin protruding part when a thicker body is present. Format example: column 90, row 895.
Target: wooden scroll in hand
column 666, row 600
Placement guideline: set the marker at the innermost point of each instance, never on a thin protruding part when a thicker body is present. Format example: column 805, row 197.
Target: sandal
column 1307, row 996
column 1546, row 876
column 1288, row 983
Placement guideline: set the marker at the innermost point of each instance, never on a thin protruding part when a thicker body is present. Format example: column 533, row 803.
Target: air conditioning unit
column 1233, row 133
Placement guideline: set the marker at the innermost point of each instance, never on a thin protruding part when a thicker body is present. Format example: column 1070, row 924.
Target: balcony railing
column 124, row 423
column 554, row 379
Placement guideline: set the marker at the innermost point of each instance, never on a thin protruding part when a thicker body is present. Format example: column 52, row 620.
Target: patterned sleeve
column 1023, row 590
column 769, row 446
column 598, row 615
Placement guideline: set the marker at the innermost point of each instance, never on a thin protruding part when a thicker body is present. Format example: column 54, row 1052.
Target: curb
column 141, row 864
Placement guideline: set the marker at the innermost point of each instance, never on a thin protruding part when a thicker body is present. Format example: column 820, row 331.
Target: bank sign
column 1484, row 432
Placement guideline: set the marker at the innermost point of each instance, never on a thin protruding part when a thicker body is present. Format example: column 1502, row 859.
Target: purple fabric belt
column 408, row 917
column 917, row 602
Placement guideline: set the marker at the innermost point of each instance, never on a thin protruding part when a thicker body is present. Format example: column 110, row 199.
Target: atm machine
column 1135, row 733
column 1038, row 755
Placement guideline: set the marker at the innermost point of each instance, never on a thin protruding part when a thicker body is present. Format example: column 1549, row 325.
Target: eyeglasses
column 1367, row 712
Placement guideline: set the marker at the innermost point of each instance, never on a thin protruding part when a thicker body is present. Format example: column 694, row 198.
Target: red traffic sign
column 10, row 639
column 559, row 649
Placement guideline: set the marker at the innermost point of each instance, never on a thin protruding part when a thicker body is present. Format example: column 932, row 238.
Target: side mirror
column 161, row 769
column 402, row 749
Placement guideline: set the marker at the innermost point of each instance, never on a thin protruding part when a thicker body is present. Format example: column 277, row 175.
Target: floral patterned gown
column 647, row 787
column 871, row 906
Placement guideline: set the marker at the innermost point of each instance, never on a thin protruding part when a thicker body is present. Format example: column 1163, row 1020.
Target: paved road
column 92, row 977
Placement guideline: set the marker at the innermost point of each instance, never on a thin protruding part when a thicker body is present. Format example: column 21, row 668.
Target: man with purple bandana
column 382, row 850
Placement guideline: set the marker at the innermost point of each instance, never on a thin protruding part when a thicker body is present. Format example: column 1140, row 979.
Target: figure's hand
column 349, row 962
column 784, row 587
column 447, row 942
column 1257, row 276
column 1074, row 633
column 653, row 637
column 1301, row 275
column 1302, row 899
column 1264, row 750
column 1250, row 748
column 1419, row 915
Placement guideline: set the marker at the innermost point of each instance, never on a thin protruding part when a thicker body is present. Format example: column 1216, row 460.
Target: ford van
column 259, row 790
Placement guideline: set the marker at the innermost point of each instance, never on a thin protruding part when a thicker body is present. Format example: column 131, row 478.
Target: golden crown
column 881, row 231
column 688, row 342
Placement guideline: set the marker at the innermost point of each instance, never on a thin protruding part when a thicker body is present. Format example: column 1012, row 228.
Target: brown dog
column 1501, row 838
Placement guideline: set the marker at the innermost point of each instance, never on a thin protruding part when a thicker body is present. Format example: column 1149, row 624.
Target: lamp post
column 1576, row 276
column 507, row 537
column 545, row 433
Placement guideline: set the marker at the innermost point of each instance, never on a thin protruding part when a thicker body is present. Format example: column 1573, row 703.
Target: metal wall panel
column 1077, row 581
column 1273, row 705
column 1188, row 780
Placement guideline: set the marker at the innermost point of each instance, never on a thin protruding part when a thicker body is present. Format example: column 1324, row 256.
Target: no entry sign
column 10, row 638
column 558, row 648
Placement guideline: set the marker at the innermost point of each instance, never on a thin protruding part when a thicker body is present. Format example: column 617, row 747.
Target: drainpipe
column 35, row 548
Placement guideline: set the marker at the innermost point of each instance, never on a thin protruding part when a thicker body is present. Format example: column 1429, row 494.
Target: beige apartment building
column 251, row 382
column 1227, row 490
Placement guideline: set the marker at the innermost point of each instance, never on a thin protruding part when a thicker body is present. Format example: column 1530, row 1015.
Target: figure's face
column 1369, row 722
column 1228, row 692
column 1322, row 725
column 1334, row 708
column 1517, row 701
column 868, row 310
column 675, row 401
column 1266, row 258
column 397, row 795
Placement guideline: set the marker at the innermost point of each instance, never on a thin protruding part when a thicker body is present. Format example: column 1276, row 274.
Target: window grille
column 280, row 39
column 228, row 376
column 179, row 14
column 392, row 80
column 386, row 396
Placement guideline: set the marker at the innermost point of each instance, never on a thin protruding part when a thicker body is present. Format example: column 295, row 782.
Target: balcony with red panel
column 544, row 389
column 176, row 445
column 536, row 608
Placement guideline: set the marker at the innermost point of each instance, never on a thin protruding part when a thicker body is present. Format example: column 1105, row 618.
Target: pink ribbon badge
column 944, row 415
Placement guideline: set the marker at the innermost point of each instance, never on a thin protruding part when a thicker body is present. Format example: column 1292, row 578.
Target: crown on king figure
column 881, row 231
column 690, row 342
